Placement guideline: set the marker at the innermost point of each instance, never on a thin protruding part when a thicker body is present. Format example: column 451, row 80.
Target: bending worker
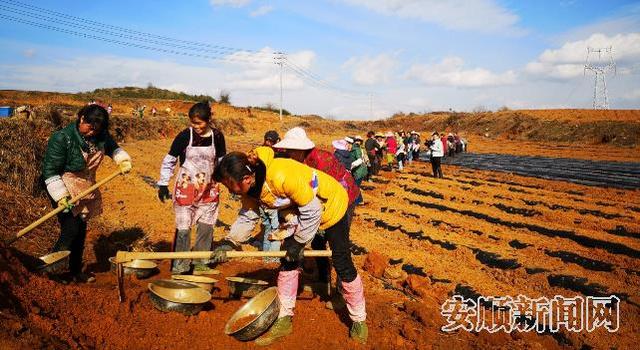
column 321, row 203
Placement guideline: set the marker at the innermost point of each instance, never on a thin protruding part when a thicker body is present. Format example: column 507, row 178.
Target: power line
column 85, row 28
column 321, row 83
column 126, row 30
column 124, row 43
column 115, row 34
column 235, row 56
column 304, row 74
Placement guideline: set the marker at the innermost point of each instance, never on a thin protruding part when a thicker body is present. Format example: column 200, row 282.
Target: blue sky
column 342, row 55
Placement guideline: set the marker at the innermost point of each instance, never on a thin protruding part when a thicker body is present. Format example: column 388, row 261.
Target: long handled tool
column 55, row 211
column 124, row 257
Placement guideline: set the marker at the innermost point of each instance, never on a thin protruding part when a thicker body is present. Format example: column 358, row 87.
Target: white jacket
column 436, row 148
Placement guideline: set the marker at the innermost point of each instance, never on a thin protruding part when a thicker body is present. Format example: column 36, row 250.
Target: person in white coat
column 437, row 152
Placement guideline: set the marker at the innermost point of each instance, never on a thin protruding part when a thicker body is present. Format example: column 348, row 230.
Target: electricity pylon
column 600, row 66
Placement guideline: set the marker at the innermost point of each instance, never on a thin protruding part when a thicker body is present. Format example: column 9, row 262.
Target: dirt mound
column 376, row 263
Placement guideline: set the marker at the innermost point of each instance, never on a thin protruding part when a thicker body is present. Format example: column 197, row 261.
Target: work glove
column 163, row 193
column 294, row 250
column 220, row 253
column 64, row 202
column 125, row 166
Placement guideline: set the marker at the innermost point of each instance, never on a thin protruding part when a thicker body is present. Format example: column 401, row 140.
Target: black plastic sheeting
column 585, row 172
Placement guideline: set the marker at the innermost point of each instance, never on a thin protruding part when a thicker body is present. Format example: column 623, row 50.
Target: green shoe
column 359, row 332
column 201, row 269
column 283, row 326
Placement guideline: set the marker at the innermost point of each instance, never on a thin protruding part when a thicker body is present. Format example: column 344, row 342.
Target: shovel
column 55, row 211
column 123, row 257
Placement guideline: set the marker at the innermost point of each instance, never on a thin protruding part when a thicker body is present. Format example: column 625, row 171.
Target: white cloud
column 371, row 70
column 232, row 3
column 261, row 72
column 302, row 59
column 451, row 72
column 568, row 61
column 261, row 11
column 477, row 15
column 256, row 72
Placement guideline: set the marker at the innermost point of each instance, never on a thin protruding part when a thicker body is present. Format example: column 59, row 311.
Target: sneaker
column 64, row 278
column 84, row 278
column 202, row 269
column 282, row 327
column 359, row 332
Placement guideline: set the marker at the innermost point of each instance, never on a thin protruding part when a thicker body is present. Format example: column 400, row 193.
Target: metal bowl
column 205, row 283
column 245, row 287
column 254, row 317
column 184, row 297
column 54, row 263
column 141, row 268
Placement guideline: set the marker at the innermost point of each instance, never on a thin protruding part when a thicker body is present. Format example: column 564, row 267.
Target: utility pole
column 600, row 68
column 279, row 61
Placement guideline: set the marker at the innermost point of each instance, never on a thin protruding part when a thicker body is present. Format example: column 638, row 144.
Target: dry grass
column 22, row 146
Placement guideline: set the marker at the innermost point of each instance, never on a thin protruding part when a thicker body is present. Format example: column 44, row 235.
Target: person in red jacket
column 297, row 146
column 443, row 138
column 392, row 148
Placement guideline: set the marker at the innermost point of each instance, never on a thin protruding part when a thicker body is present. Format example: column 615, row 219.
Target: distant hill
column 150, row 92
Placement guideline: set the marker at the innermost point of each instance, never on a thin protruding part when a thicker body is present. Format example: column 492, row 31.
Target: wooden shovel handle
column 123, row 257
column 55, row 211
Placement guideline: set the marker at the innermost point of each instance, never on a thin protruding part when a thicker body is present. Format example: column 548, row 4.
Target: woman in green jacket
column 70, row 163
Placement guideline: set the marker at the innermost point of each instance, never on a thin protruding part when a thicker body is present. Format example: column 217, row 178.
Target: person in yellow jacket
column 320, row 202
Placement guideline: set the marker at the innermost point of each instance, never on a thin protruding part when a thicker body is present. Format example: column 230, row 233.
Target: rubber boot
column 204, row 240
column 181, row 244
column 359, row 332
column 282, row 327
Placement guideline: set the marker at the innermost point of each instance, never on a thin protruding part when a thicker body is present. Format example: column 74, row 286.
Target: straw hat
column 348, row 139
column 379, row 134
column 295, row 138
column 358, row 138
column 340, row 144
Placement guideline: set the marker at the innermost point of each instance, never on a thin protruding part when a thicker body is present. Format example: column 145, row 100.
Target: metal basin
column 254, row 317
column 184, row 297
column 203, row 282
column 54, row 263
column 141, row 268
column 245, row 287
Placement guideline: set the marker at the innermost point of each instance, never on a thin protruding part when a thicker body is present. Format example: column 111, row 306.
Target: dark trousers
column 359, row 199
column 73, row 232
column 436, row 166
column 338, row 238
column 375, row 165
